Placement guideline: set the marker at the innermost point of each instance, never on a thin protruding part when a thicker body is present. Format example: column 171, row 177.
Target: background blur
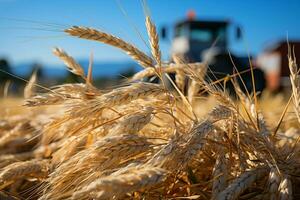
column 29, row 29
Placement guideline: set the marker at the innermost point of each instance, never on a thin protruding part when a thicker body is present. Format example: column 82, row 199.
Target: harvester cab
column 193, row 38
column 208, row 41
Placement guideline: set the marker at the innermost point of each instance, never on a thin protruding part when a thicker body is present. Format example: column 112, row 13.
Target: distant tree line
column 16, row 85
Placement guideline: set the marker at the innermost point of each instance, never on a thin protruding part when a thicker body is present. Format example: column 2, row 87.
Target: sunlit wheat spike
column 86, row 166
column 61, row 93
column 40, row 152
column 154, row 41
column 19, row 130
column 133, row 123
column 165, row 155
column 176, row 154
column 195, row 142
column 219, row 113
column 117, row 186
column 96, row 35
column 33, row 168
column 295, row 82
column 29, row 88
column 71, row 146
column 45, row 99
column 240, row 184
column 196, row 73
column 166, row 68
column 77, row 90
column 180, row 76
column 264, row 130
column 72, row 65
column 220, row 174
column 120, row 96
column 193, row 90
column 285, row 188
column 8, row 159
column 273, row 183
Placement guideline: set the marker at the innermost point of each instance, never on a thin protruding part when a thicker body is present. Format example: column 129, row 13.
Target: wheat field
column 143, row 140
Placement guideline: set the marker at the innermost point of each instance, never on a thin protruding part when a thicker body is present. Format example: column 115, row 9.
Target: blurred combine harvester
column 275, row 64
column 208, row 41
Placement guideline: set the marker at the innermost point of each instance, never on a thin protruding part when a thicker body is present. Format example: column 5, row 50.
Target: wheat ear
column 29, row 88
column 295, row 81
column 166, row 68
column 118, row 186
column 154, row 41
column 118, row 96
column 60, row 94
column 132, row 124
column 273, row 183
column 220, row 174
column 197, row 78
column 96, row 35
column 72, row 65
column 180, row 75
column 18, row 170
column 240, row 184
column 175, row 155
column 107, row 153
column 285, row 188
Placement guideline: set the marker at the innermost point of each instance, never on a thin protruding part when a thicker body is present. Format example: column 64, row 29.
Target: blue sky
column 22, row 41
